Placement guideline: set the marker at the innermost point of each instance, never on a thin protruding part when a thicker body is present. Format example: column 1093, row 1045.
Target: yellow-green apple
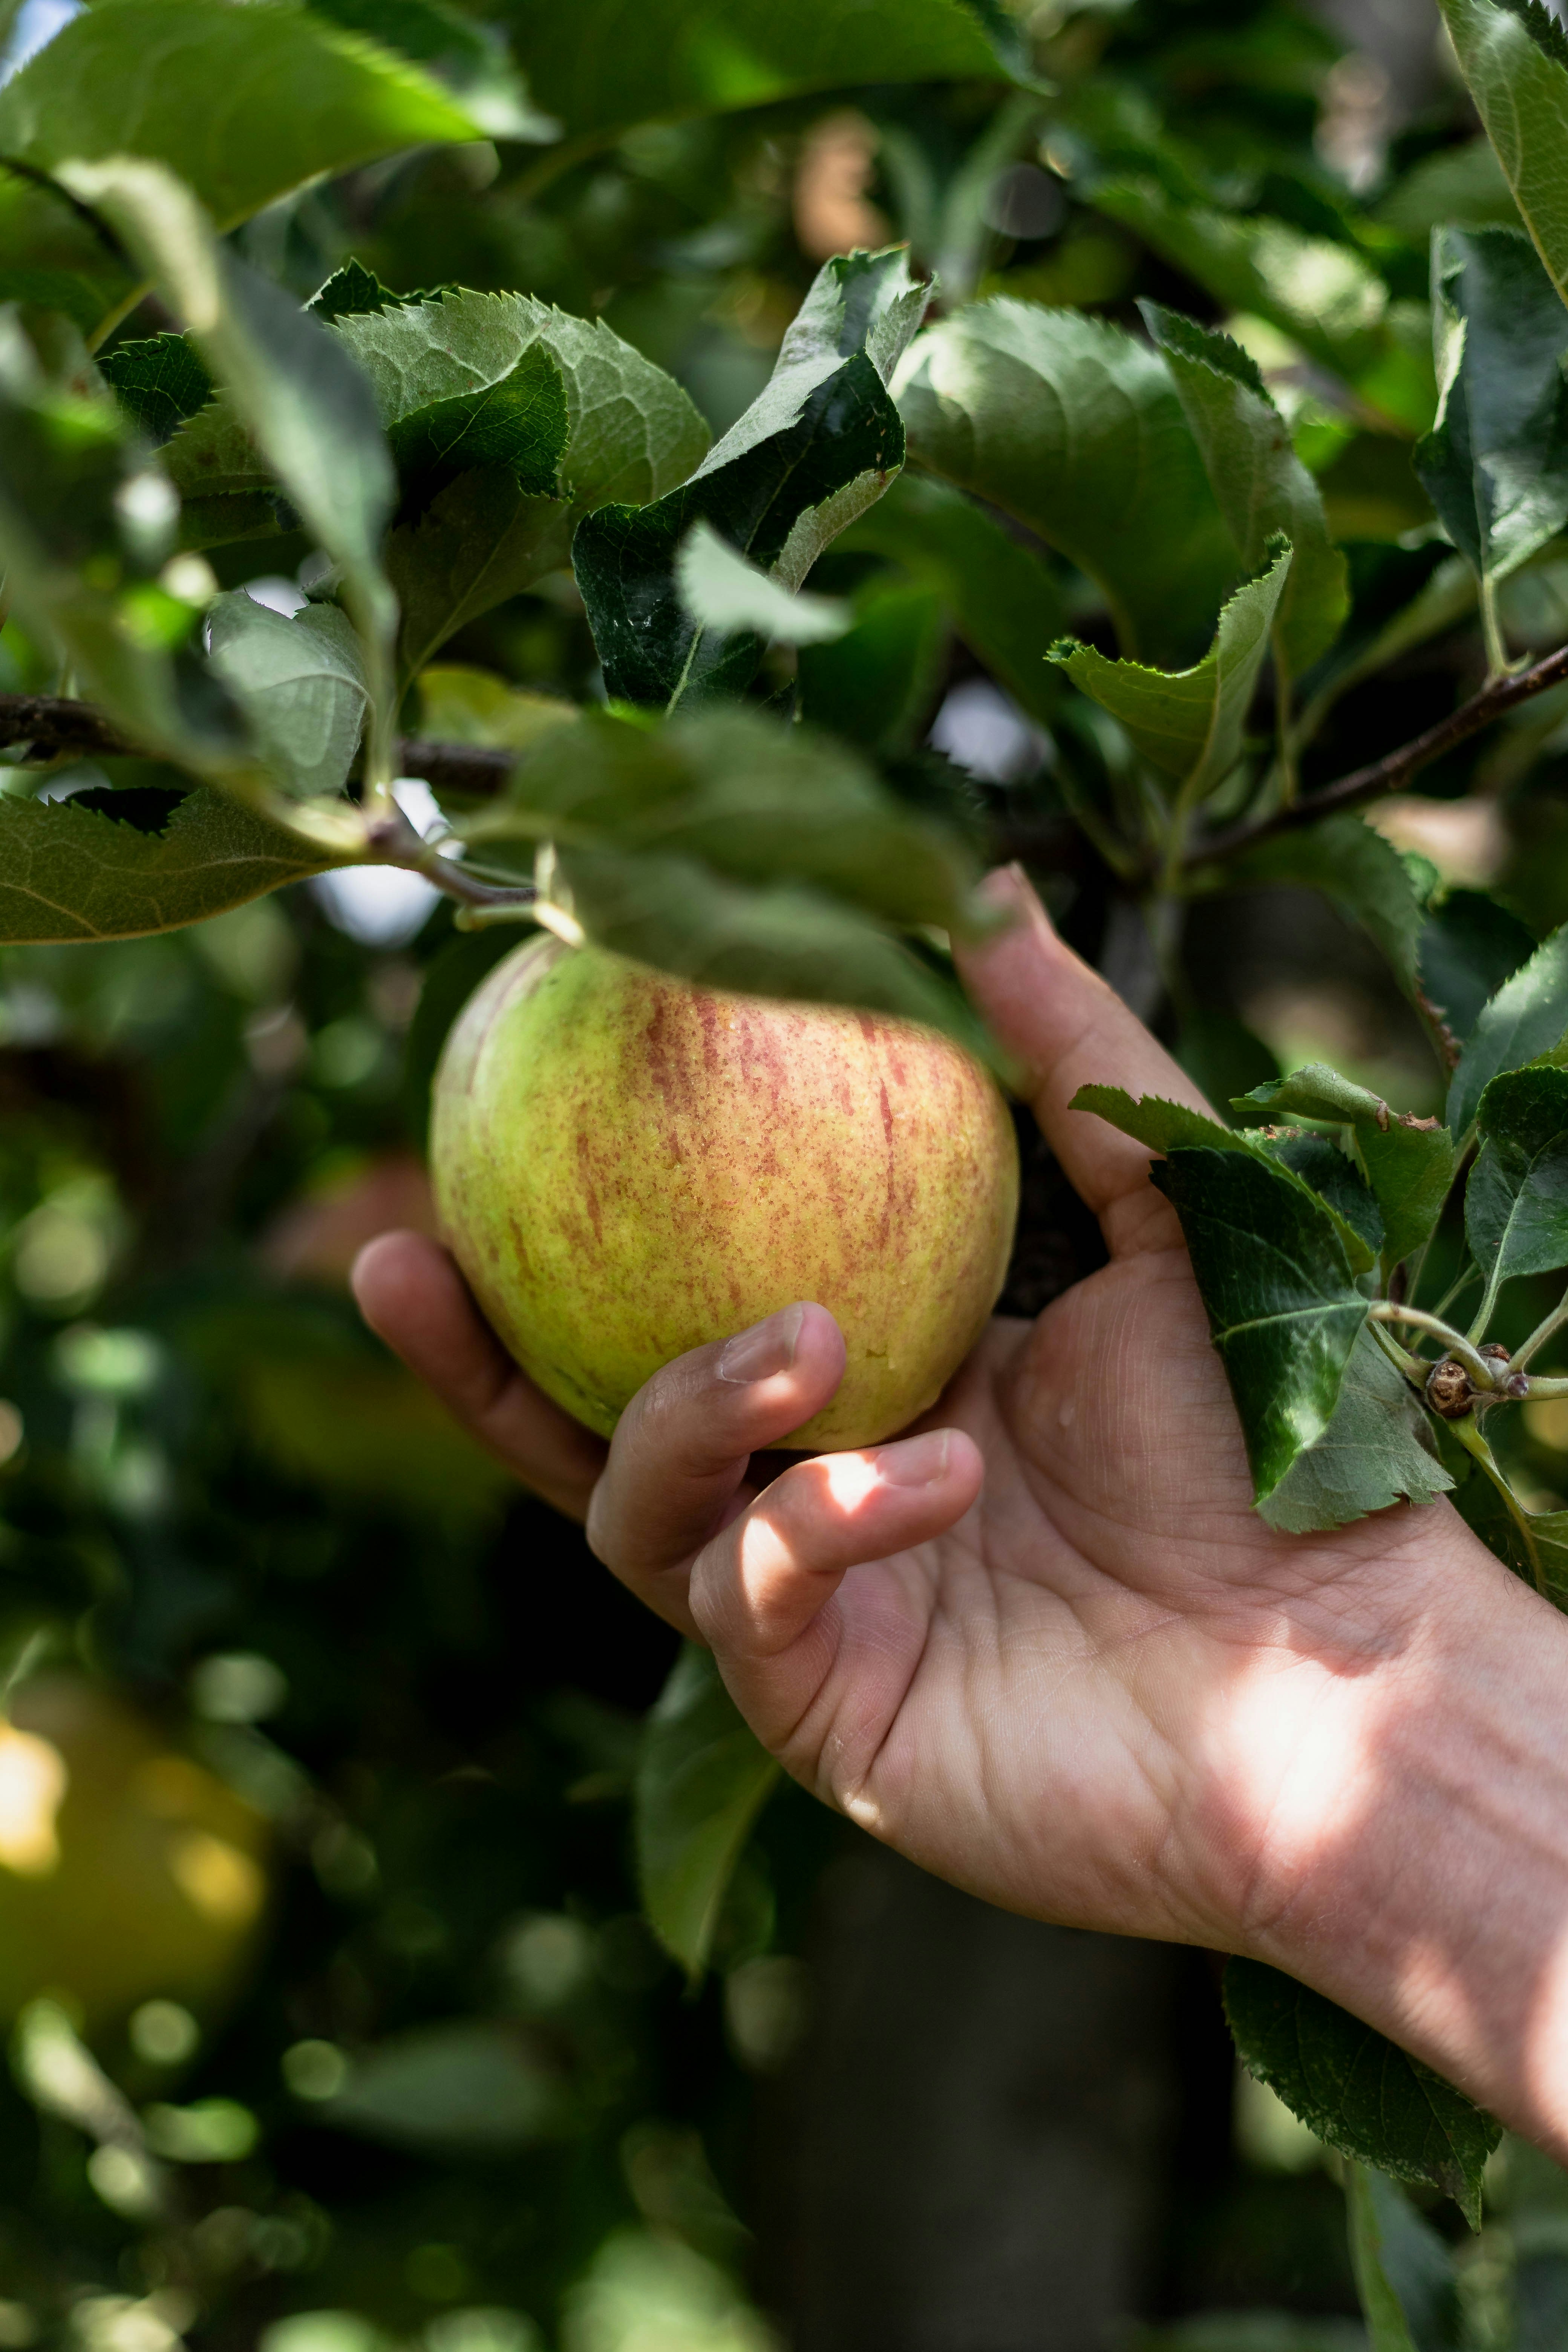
column 628, row 1166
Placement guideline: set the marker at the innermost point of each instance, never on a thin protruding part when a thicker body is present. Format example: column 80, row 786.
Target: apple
column 128, row 1871
column 627, row 1165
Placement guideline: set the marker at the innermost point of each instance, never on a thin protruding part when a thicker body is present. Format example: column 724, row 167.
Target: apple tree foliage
column 1202, row 536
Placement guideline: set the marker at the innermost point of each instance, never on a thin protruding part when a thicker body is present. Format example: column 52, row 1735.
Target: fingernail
column 766, row 1348
column 916, row 1462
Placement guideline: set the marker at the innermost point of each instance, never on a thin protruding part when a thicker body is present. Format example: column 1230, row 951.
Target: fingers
column 412, row 1296
column 760, row 1594
column 1070, row 1029
column 681, row 1452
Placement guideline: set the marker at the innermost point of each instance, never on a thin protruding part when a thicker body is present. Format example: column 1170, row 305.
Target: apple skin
column 628, row 1166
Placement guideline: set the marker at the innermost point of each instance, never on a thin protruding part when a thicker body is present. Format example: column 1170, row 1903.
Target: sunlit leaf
column 1377, row 1449
column 1516, row 1203
column 242, row 102
column 469, row 59
column 722, row 592
column 703, row 1778
column 1355, row 2090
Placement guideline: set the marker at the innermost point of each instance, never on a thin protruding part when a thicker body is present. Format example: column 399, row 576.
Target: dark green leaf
column 1516, row 62
column 1169, row 1127
column 1495, row 465
column 876, row 684
column 82, row 299
column 703, row 1778
column 1276, row 1283
column 1354, row 2089
column 1524, row 1019
column 353, row 289
column 300, row 683
column 520, row 423
column 1259, row 483
column 159, row 383
column 1075, row 428
column 812, row 451
column 1189, row 724
column 1376, row 1451
column 71, row 874
column 1353, row 865
column 600, row 68
column 1469, row 947
column 1461, row 186
column 1003, row 601
column 1516, row 1203
column 1403, row 2272
column 1320, row 1164
column 243, row 104
column 470, row 59
column 481, row 541
column 1408, row 1161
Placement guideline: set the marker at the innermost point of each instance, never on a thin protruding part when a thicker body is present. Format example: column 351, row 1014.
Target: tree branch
column 1395, row 767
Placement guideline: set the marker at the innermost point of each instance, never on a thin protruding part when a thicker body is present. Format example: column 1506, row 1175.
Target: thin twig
column 1395, row 767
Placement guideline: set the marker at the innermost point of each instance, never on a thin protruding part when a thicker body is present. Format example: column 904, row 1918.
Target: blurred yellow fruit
column 127, row 1873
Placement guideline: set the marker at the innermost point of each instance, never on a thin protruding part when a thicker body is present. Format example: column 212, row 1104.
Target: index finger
column 1070, row 1029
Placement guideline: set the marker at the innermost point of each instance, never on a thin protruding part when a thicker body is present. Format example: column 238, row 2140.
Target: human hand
column 1042, row 1643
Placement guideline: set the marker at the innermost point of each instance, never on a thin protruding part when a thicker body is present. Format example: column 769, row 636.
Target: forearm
column 1431, row 1895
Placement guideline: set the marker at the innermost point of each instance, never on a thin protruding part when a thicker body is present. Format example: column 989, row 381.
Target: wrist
column 1423, row 1882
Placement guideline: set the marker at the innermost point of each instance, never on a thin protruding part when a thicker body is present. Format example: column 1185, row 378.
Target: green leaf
column 749, row 798
column 601, row 68
column 722, row 592
column 300, row 683
column 352, row 287
column 1354, row 867
column 1408, row 1161
column 470, row 59
column 703, row 1778
column 1495, row 465
column 243, row 104
column 1376, row 1451
column 1276, row 1283
column 1461, row 186
column 69, row 290
column 519, row 423
column 1515, row 59
column 466, row 2087
column 1004, row 603
column 777, row 939
column 1169, row 1127
column 813, row 450
column 1259, row 483
column 1329, row 1172
column 1189, row 724
column 285, row 375
column 1354, row 2089
column 159, row 383
column 71, row 874
column 1075, row 428
column 1469, row 947
column 877, row 684
column 1403, row 2272
column 1516, row 1203
column 1524, row 1019
column 1326, row 296
column 628, row 432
